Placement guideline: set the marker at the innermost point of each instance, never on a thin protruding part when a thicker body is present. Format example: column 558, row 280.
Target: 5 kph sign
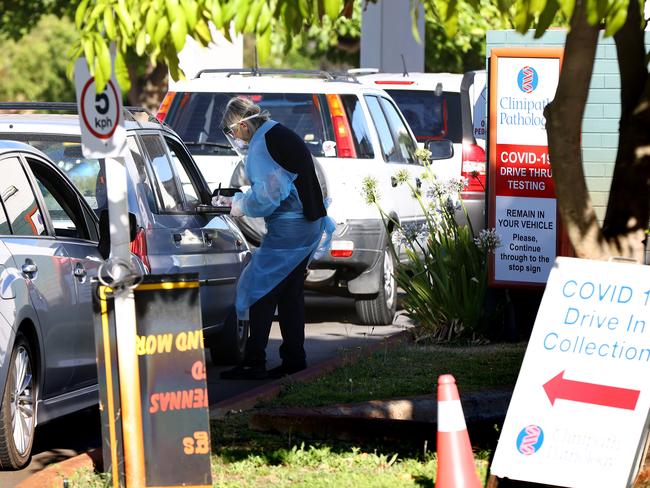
column 100, row 115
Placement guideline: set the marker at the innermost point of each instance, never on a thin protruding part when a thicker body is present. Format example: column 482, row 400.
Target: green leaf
column 140, row 43
column 567, row 7
column 203, row 31
column 546, row 17
column 122, row 72
column 217, row 15
column 102, row 64
column 80, row 13
column 615, row 20
column 264, row 45
column 332, row 8
column 243, row 7
column 303, row 6
column 178, row 32
column 254, row 15
column 151, row 21
column 109, row 24
column 124, row 16
column 265, row 19
column 191, row 10
column 161, row 30
column 88, row 45
column 173, row 10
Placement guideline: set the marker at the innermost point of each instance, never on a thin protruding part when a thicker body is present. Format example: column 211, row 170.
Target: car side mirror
column 440, row 149
column 104, row 245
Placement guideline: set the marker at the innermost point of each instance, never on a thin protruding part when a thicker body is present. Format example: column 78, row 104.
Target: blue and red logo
column 530, row 439
column 527, row 79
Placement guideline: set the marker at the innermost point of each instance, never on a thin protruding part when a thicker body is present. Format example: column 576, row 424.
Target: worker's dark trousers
column 289, row 297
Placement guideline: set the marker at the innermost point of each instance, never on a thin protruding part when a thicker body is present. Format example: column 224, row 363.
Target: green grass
column 408, row 370
column 243, row 457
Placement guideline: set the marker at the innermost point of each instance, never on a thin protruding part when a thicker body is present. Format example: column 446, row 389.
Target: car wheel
column 229, row 345
column 18, row 416
column 381, row 309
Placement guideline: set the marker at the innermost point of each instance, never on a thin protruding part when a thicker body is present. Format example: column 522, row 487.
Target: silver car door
column 222, row 258
column 46, row 268
column 73, row 226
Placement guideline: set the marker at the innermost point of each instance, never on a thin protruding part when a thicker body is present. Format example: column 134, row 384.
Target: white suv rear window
column 431, row 116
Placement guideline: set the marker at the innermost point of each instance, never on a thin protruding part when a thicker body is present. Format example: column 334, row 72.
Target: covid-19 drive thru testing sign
column 522, row 195
column 579, row 412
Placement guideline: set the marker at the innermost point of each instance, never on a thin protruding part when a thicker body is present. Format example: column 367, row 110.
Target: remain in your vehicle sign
column 523, row 209
column 579, row 412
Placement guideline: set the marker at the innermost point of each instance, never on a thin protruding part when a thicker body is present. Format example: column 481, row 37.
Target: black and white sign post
column 103, row 136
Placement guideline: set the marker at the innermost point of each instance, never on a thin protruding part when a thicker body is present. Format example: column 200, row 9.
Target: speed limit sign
column 100, row 115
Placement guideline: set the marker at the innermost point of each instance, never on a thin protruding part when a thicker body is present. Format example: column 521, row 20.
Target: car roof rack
column 72, row 107
column 267, row 71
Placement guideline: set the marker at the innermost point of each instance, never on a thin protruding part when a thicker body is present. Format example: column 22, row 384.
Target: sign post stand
column 103, row 136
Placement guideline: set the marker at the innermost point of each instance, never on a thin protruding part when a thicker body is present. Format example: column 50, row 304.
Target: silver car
column 179, row 231
column 49, row 253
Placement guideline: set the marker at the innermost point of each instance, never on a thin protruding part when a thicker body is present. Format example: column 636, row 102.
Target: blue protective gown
column 290, row 237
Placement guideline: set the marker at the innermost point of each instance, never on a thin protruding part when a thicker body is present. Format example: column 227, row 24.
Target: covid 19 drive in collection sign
column 523, row 208
column 579, row 416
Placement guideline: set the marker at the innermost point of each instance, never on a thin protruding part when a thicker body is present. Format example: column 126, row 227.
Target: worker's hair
column 239, row 108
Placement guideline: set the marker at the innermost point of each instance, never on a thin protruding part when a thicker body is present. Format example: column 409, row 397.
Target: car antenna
column 405, row 73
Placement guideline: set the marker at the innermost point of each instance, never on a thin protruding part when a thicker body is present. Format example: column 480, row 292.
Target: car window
column 431, row 116
column 386, row 141
column 196, row 118
column 144, row 180
column 404, row 140
column 360, row 131
column 180, row 159
column 25, row 216
column 167, row 187
column 61, row 203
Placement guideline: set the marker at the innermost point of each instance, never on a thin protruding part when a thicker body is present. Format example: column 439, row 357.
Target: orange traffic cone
column 456, row 468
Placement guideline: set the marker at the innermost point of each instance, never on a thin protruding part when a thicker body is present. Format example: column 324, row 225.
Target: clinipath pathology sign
column 522, row 195
column 579, row 412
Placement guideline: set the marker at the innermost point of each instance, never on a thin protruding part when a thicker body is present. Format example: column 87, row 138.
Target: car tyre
column 380, row 310
column 229, row 345
column 18, row 415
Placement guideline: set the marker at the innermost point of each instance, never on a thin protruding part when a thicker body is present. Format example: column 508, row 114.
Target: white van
column 353, row 131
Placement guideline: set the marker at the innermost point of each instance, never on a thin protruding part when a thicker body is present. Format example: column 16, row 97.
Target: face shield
column 239, row 145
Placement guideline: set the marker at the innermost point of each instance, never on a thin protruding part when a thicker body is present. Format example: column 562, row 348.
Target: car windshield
column 430, row 116
column 196, row 117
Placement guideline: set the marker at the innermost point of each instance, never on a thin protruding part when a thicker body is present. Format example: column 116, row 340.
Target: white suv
column 352, row 130
column 445, row 106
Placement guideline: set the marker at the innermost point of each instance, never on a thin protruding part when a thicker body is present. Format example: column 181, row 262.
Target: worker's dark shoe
column 244, row 373
column 285, row 370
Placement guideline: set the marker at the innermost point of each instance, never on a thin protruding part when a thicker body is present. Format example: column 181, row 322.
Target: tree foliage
column 33, row 68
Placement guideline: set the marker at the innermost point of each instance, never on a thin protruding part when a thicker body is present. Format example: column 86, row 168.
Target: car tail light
column 342, row 249
column 474, row 167
column 164, row 106
column 139, row 247
column 342, row 132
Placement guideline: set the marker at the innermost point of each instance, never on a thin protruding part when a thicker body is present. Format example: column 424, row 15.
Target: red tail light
column 394, row 82
column 139, row 247
column 474, row 167
column 344, row 143
column 164, row 106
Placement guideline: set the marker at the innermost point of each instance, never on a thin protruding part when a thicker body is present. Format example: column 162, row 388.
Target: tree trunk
column 564, row 127
column 149, row 88
column 629, row 196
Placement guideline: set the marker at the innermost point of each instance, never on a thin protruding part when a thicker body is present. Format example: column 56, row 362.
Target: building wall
column 602, row 112
column 386, row 36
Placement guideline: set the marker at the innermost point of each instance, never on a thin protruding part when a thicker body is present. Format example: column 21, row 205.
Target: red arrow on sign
column 578, row 391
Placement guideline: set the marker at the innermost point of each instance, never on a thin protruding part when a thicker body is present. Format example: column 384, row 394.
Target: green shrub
column 444, row 275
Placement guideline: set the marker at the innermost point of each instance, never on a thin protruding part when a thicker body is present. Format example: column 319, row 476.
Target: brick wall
column 600, row 124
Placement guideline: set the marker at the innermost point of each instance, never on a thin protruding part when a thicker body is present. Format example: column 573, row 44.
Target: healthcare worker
column 286, row 192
